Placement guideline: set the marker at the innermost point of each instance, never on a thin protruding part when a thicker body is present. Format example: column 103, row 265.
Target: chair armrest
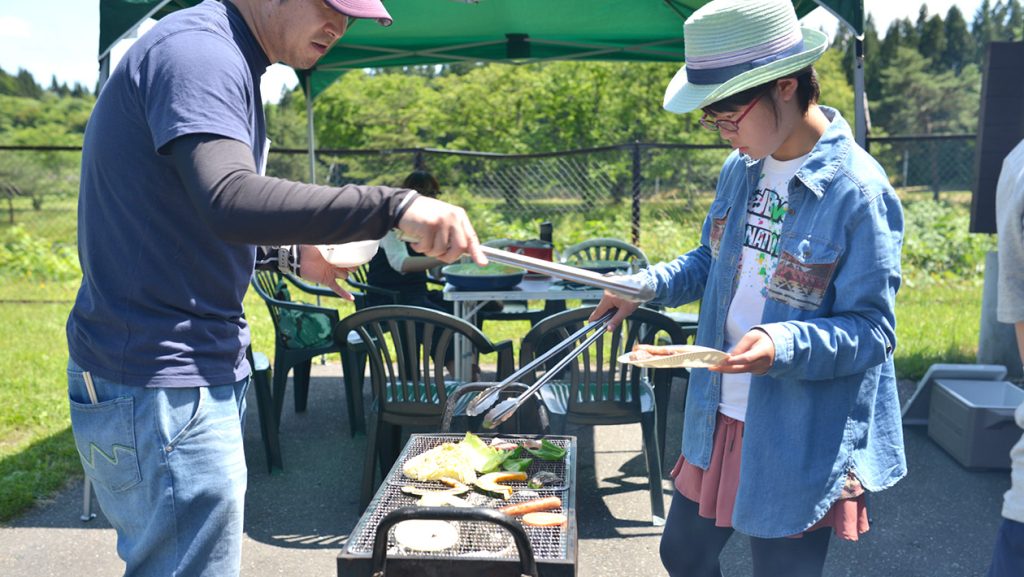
column 368, row 288
column 311, row 288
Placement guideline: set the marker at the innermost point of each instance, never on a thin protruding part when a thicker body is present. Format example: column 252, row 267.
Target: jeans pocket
column 105, row 439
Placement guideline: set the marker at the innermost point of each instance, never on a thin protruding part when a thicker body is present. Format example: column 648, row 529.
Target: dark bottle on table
column 546, row 232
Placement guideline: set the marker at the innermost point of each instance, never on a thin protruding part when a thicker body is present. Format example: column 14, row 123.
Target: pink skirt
column 714, row 490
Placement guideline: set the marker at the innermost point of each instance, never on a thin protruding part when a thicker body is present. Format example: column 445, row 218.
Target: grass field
column 938, row 321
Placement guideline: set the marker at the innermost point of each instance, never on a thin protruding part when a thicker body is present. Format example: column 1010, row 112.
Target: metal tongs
column 487, row 398
column 623, row 286
column 505, row 409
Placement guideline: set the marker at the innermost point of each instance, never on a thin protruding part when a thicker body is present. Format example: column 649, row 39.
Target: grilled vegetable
column 444, row 460
column 545, row 519
column 442, row 500
column 490, row 484
column 517, row 465
column 543, row 478
column 455, row 488
column 483, row 457
column 548, row 451
column 426, row 535
column 532, row 506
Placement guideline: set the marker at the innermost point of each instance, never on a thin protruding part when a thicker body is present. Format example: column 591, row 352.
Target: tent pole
column 860, row 102
column 309, row 128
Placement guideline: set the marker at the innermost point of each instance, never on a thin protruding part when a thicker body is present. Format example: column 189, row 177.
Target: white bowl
column 349, row 254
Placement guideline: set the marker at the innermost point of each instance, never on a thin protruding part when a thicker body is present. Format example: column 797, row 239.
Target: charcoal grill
column 487, row 538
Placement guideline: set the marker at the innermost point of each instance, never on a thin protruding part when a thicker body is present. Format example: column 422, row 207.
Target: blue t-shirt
column 160, row 301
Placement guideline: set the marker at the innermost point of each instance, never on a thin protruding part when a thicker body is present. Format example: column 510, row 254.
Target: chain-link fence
column 654, row 195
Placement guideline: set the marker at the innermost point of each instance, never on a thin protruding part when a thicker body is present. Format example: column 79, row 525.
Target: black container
column 546, row 232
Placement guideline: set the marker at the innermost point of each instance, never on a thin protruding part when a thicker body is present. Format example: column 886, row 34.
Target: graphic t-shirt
column 766, row 210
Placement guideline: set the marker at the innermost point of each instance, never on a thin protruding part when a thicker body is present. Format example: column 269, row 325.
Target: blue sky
column 48, row 40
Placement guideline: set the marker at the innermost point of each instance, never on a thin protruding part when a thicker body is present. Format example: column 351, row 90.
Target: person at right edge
column 797, row 272
column 1008, row 557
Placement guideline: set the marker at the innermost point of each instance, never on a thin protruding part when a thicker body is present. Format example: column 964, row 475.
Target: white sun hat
column 734, row 45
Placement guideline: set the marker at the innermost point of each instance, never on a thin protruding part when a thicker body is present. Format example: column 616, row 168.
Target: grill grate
column 422, row 443
column 476, row 539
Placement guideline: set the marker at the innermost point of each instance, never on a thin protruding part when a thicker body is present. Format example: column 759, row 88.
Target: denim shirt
column 828, row 405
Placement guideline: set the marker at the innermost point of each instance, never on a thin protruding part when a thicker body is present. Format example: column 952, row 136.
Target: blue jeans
column 169, row 472
column 1008, row 557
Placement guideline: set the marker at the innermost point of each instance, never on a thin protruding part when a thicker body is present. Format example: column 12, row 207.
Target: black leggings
column 691, row 544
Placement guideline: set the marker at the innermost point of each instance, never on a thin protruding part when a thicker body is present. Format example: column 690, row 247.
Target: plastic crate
column 973, row 421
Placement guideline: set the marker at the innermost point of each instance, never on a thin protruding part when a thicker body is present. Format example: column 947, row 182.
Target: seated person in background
column 400, row 268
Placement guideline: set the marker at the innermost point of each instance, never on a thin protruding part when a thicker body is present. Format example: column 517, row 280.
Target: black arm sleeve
column 242, row 206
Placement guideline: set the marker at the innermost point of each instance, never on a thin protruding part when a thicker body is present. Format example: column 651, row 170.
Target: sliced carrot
column 545, row 519
column 532, row 506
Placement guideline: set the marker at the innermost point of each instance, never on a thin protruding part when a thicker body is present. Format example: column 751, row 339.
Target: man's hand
column 755, row 353
column 313, row 267
column 443, row 230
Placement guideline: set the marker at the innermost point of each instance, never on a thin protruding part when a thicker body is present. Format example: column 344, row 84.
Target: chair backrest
column 296, row 325
column 599, row 385
column 406, row 353
column 604, row 249
column 357, row 280
column 270, row 285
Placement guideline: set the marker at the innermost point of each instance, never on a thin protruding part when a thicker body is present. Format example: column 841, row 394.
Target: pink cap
column 363, row 9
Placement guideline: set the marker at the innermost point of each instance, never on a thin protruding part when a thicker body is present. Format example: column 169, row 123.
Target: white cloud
column 14, row 27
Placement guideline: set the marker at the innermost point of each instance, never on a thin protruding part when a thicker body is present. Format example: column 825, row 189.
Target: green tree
column 26, row 85
column 917, row 100
column 836, row 90
column 286, row 128
column 1013, row 28
column 932, row 44
column 984, row 30
column 909, row 35
column 959, row 44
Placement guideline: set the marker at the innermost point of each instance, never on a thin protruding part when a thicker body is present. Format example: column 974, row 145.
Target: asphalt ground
column 940, row 521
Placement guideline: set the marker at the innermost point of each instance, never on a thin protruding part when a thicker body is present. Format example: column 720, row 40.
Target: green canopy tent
column 510, row 31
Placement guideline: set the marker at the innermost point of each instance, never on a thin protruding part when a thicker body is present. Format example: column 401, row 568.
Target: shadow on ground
column 938, row 522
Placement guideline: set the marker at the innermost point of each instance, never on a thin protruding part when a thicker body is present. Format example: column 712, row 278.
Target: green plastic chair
column 410, row 388
column 596, row 389
column 604, row 249
column 301, row 332
column 361, row 288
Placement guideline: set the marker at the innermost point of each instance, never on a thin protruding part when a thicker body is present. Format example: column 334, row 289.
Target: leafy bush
column 937, row 244
column 26, row 257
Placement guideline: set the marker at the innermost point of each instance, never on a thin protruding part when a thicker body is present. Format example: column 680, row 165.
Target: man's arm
column 242, row 206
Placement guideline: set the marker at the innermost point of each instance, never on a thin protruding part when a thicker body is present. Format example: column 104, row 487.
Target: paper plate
column 424, row 535
column 688, row 356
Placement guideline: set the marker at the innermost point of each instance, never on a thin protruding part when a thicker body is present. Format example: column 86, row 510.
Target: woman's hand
column 755, row 354
column 612, row 301
column 314, row 267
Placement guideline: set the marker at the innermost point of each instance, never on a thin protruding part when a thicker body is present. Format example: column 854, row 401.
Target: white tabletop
column 530, row 289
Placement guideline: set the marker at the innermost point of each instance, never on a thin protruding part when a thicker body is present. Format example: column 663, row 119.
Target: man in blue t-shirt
column 174, row 214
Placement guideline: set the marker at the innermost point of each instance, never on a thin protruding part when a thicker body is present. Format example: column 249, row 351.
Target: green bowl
column 494, row 276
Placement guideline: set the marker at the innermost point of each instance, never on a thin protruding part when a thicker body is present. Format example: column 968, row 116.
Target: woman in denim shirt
column 797, row 273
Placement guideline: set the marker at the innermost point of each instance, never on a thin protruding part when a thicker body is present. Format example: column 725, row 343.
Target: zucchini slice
column 490, row 484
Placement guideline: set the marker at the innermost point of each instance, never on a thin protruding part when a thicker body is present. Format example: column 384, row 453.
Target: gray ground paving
column 938, row 522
